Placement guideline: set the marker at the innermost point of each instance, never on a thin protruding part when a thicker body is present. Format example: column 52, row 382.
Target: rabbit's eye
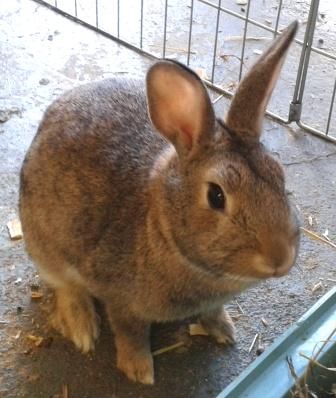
column 216, row 197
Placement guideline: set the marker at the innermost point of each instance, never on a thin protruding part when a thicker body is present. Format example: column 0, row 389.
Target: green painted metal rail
column 269, row 376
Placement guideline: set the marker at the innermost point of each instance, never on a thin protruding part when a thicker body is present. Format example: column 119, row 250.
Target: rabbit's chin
column 241, row 282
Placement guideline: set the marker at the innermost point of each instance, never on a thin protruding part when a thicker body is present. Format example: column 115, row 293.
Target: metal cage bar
column 118, row 19
column 331, row 108
column 277, row 19
column 141, row 23
column 265, row 27
column 190, row 31
column 215, row 43
column 295, row 107
column 165, row 30
column 97, row 20
column 295, row 114
column 244, row 41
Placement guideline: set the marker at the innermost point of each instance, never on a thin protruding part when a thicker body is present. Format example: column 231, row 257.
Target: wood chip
column 264, row 322
column 37, row 340
column 65, row 391
column 167, row 349
column 318, row 286
column 231, row 86
column 195, row 329
column 328, row 280
column 241, row 2
column 326, row 235
column 202, row 73
column 247, row 38
column 317, row 237
column 236, row 317
column 240, row 308
column 253, row 343
column 36, row 295
column 14, row 229
column 217, row 99
column 257, row 52
column 226, row 57
column 310, row 221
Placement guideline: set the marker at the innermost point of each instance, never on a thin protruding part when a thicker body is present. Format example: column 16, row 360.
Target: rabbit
column 136, row 194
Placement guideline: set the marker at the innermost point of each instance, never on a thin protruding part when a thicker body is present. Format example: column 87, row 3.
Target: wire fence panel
column 221, row 39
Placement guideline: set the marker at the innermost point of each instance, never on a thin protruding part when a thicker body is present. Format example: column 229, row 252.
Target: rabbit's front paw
column 134, row 357
column 219, row 324
column 137, row 365
column 75, row 318
column 132, row 342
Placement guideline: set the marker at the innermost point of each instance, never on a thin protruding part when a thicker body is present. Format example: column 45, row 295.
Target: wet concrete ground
column 41, row 55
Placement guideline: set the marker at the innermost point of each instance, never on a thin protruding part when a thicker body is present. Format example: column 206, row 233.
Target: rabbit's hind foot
column 75, row 317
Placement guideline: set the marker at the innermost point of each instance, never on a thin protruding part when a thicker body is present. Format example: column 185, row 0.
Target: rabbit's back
column 83, row 182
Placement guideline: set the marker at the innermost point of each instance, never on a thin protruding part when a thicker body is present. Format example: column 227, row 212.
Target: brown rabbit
column 158, row 226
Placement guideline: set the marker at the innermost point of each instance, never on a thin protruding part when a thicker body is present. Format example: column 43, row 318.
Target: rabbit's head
column 225, row 204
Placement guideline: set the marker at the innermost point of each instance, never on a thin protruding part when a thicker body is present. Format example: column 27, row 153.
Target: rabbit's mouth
column 273, row 268
column 245, row 279
column 281, row 271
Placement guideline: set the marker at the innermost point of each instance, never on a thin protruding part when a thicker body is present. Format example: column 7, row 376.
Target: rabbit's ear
column 249, row 103
column 179, row 105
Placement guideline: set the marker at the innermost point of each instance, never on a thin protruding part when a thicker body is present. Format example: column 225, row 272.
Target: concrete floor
column 41, row 55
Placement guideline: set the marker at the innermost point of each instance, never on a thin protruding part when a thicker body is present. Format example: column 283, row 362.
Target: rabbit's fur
column 112, row 209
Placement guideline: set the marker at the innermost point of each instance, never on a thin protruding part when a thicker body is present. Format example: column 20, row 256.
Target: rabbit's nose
column 282, row 254
column 282, row 263
column 277, row 255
